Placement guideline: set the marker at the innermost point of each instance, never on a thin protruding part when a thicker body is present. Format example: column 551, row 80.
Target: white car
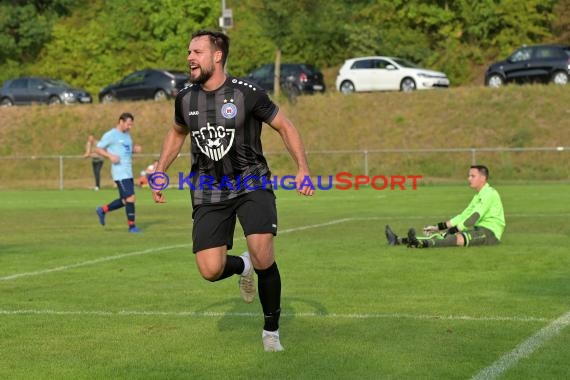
column 386, row 73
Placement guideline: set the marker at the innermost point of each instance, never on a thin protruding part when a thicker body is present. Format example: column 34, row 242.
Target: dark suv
column 34, row 90
column 145, row 84
column 301, row 77
column 529, row 64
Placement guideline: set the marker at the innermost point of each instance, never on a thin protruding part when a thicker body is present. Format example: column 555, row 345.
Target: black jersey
column 225, row 132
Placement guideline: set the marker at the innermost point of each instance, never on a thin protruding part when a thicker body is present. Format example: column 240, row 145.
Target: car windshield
column 405, row 63
column 56, row 83
column 180, row 75
column 310, row 69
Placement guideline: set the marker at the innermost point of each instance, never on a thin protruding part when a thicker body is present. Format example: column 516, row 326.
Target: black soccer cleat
column 391, row 236
column 413, row 241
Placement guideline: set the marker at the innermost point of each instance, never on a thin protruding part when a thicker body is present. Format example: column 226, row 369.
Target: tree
column 91, row 42
column 561, row 22
column 27, row 26
column 113, row 38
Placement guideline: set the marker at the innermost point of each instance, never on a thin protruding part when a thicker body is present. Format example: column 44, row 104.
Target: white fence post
column 60, row 172
column 365, row 162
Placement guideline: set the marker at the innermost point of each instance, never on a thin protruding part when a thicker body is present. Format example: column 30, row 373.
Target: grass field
column 81, row 301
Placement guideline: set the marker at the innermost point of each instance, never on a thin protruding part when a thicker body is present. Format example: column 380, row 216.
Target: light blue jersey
column 119, row 144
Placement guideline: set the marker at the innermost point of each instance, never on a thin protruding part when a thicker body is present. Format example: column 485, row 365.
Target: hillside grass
column 466, row 117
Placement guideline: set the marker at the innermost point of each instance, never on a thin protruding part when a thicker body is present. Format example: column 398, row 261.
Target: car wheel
column 560, row 77
column 160, row 95
column 108, row 98
column 53, row 100
column 6, row 103
column 408, row 85
column 495, row 80
column 347, row 87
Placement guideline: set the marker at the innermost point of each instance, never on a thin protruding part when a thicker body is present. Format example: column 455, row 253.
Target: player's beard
column 203, row 77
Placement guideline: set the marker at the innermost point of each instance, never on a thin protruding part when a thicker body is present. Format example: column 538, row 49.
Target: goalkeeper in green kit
column 481, row 223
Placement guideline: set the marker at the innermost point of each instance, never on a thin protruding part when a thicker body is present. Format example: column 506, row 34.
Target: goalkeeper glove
column 430, row 230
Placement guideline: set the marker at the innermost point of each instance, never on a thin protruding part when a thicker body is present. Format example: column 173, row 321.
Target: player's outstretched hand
column 158, row 197
column 430, row 230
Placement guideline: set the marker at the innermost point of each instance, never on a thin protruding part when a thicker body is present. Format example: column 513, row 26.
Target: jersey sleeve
column 264, row 109
column 105, row 141
column 474, row 211
column 179, row 110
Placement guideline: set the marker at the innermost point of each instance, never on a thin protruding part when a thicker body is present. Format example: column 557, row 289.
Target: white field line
column 524, row 349
column 166, row 248
column 153, row 250
column 216, row 314
column 90, row 262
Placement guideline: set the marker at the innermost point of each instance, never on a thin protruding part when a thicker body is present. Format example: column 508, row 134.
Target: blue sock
column 116, row 204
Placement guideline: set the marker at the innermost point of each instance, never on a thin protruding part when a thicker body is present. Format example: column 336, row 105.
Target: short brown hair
column 126, row 115
column 218, row 40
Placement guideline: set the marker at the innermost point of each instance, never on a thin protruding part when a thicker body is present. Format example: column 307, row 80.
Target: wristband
column 442, row 226
column 453, row 230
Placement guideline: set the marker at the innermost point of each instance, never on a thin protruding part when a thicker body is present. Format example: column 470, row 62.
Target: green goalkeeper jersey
column 484, row 210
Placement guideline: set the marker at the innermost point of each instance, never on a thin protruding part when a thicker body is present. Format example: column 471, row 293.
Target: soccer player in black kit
column 229, row 175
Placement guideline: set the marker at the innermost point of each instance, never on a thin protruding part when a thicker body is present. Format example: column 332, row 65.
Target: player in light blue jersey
column 117, row 146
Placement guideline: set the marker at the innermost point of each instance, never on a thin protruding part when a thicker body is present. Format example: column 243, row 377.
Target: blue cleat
column 101, row 215
column 134, row 229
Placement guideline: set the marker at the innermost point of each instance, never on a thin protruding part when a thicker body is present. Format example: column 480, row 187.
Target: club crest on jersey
column 214, row 141
column 229, row 110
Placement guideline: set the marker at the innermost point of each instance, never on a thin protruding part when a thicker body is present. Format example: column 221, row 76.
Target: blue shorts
column 126, row 187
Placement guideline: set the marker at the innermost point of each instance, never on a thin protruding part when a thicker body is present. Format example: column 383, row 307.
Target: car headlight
column 68, row 95
column 424, row 75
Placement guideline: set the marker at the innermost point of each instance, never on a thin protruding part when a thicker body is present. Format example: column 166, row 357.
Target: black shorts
column 214, row 223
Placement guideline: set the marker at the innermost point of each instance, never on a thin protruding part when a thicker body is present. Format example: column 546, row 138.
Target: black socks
column 269, row 287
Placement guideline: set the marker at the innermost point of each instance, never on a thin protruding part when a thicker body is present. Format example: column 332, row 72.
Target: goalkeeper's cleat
column 413, row 241
column 391, row 236
column 246, row 281
column 271, row 341
column 101, row 215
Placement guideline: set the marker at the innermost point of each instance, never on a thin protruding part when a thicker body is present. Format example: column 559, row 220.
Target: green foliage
column 26, row 26
column 112, row 38
column 249, row 46
column 381, row 29
column 95, row 42
column 24, row 31
column 561, row 22
column 522, row 22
